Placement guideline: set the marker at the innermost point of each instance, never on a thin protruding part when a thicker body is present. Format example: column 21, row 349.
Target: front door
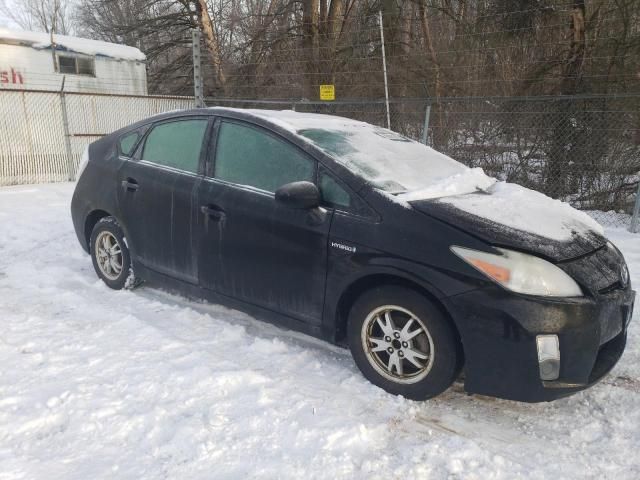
column 253, row 248
column 157, row 195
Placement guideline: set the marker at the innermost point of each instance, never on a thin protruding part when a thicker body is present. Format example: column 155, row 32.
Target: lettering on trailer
column 11, row 76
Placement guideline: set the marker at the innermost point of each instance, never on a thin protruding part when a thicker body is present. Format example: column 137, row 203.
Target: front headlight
column 521, row 273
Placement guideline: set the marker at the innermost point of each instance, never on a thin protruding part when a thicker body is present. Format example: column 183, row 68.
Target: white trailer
column 40, row 61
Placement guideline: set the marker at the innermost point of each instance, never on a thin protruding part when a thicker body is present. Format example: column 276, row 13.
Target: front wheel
column 403, row 343
column 110, row 254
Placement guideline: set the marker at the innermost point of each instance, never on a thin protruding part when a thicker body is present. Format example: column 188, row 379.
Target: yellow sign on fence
column 327, row 92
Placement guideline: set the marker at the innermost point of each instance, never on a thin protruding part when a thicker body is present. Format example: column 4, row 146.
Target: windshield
column 389, row 161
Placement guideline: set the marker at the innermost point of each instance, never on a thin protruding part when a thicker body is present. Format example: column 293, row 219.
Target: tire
column 114, row 267
column 427, row 355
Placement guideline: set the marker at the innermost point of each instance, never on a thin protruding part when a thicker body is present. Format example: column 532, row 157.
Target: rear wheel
column 403, row 343
column 110, row 254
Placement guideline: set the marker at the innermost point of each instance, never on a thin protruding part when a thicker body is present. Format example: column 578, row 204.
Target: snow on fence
column 43, row 133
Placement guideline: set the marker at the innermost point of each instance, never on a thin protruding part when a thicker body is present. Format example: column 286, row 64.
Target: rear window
column 176, row 144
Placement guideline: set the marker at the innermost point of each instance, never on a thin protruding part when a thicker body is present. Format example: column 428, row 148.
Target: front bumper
column 498, row 331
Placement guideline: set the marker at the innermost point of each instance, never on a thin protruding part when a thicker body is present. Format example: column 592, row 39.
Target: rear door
column 253, row 248
column 157, row 192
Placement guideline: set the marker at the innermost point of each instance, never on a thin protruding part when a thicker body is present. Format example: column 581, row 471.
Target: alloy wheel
column 397, row 344
column 109, row 255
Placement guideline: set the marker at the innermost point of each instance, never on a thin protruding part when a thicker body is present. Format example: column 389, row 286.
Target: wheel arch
column 368, row 282
column 90, row 222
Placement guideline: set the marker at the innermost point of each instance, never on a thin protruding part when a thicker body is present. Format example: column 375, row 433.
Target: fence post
column 197, row 68
column 633, row 228
column 425, row 128
column 67, row 135
column 384, row 69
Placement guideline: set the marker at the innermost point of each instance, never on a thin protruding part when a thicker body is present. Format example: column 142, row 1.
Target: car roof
column 288, row 120
column 287, row 123
column 291, row 120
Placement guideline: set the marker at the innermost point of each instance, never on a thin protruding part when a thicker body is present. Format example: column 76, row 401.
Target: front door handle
column 212, row 211
column 130, row 185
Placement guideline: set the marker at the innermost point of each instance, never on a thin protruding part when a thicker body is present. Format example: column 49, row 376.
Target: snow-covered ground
column 141, row 384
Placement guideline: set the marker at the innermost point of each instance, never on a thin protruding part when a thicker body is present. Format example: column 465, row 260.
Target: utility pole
column 197, row 68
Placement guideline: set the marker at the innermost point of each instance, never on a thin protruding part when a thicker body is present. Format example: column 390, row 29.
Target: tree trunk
column 212, row 43
column 439, row 134
column 332, row 33
column 310, row 47
column 572, row 72
column 426, row 33
column 564, row 135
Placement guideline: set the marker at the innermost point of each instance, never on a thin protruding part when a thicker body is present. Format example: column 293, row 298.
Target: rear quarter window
column 333, row 193
column 127, row 142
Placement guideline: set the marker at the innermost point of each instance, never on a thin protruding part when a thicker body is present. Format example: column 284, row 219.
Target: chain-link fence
column 32, row 143
column 43, row 133
column 583, row 150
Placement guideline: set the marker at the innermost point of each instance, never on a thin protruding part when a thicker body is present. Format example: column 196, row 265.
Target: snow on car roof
column 85, row 46
column 294, row 121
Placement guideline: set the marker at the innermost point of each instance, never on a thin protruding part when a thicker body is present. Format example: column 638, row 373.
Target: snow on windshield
column 413, row 171
column 389, row 161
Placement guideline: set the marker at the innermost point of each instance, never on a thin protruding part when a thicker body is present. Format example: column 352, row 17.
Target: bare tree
column 160, row 28
column 282, row 48
column 50, row 16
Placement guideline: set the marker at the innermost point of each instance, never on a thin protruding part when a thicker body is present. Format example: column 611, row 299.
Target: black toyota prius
column 357, row 235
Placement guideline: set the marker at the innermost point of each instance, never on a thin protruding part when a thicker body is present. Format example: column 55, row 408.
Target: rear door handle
column 130, row 185
column 212, row 211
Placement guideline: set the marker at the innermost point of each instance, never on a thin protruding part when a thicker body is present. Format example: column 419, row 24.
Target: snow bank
column 73, row 44
column 96, row 383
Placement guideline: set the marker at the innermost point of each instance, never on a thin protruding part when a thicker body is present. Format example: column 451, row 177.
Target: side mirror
column 301, row 195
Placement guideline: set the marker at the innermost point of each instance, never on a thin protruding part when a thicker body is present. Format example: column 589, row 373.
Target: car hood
column 515, row 217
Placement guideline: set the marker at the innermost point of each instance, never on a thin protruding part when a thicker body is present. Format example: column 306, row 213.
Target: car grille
column 600, row 271
column 611, row 288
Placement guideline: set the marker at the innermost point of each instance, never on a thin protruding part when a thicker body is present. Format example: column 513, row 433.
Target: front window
column 387, row 160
